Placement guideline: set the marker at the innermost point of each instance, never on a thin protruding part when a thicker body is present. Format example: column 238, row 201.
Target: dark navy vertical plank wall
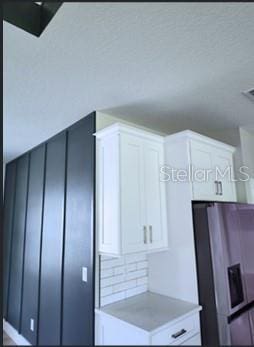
column 78, row 295
column 52, row 243
column 32, row 249
column 49, row 239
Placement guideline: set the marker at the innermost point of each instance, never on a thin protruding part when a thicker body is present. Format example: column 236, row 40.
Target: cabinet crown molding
column 118, row 128
column 192, row 135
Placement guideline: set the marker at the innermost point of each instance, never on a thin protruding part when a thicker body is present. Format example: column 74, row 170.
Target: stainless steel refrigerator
column 224, row 239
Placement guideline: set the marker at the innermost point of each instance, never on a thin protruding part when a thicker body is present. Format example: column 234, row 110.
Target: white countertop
column 150, row 311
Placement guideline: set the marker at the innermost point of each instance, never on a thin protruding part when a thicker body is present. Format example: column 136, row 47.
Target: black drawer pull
column 179, row 333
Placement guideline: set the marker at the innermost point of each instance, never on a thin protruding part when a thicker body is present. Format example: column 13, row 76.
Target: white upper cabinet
column 130, row 195
column 210, row 166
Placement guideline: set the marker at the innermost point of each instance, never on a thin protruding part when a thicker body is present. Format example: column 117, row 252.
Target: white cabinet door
column 155, row 196
column 132, row 194
column 223, row 166
column 213, row 171
column 110, row 331
column 108, row 211
column 204, row 185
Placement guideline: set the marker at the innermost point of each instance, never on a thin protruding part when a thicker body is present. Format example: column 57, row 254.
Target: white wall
column 229, row 136
column 103, row 120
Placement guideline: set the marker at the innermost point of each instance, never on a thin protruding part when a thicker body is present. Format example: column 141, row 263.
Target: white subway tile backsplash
column 143, row 280
column 107, row 264
column 106, row 257
column 131, row 267
column 106, row 291
column 142, row 265
column 122, row 277
column 107, row 273
column 132, row 258
column 136, row 291
column 111, row 280
column 124, row 286
column 112, row 298
column 135, row 274
column 119, row 270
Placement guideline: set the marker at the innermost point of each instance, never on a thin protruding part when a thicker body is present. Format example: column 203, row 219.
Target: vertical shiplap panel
column 32, row 247
column 18, row 241
column 52, row 243
column 78, row 294
column 9, row 197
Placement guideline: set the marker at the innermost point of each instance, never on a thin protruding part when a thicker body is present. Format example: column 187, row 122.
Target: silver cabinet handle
column 145, row 234
column 217, row 187
column 151, row 233
column 221, row 188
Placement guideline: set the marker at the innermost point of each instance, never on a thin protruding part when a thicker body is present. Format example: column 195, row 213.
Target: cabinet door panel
column 132, row 194
column 32, row 246
column 223, row 165
column 78, row 294
column 155, row 198
column 52, row 243
column 16, row 268
column 9, row 196
column 202, row 162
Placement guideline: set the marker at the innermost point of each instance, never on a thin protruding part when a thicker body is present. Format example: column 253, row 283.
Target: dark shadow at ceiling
column 30, row 16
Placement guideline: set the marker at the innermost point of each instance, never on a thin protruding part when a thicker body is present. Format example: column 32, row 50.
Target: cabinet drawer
column 193, row 341
column 177, row 333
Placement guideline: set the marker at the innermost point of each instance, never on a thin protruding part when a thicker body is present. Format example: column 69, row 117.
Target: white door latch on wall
column 32, row 324
column 84, row 274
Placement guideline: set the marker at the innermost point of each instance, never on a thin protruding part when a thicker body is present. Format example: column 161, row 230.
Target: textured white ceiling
column 170, row 66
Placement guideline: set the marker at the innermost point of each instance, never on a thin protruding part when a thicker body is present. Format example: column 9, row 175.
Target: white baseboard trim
column 14, row 335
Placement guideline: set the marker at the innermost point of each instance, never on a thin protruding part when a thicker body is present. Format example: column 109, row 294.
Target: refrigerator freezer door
column 251, row 312
column 226, row 252
column 246, row 219
column 240, row 331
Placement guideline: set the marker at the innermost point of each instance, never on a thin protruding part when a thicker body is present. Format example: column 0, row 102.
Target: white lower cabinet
column 115, row 332
column 193, row 341
column 111, row 331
